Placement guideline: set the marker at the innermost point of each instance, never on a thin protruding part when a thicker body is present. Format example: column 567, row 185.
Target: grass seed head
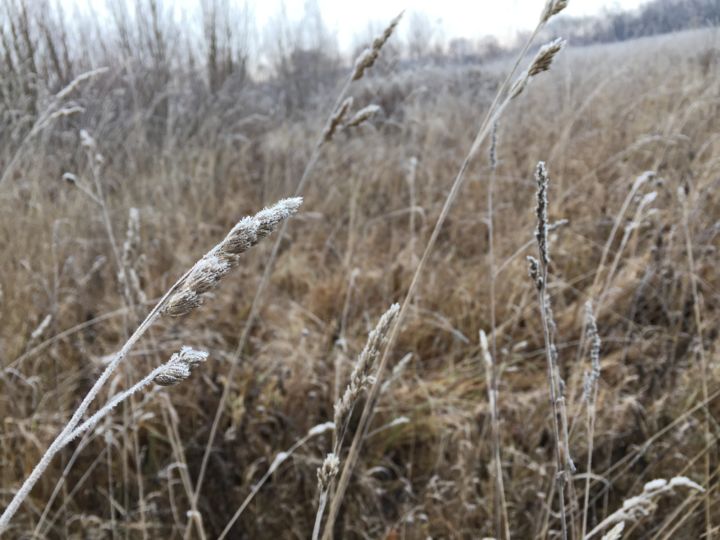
column 361, row 377
column 544, row 58
column 534, row 272
column 367, row 57
column 208, row 271
column 592, row 377
column 542, row 62
column 541, row 233
column 552, row 8
column 328, row 471
column 336, row 119
column 179, row 367
column 363, row 115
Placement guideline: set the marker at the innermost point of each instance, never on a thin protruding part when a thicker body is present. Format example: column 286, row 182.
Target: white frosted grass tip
column 363, row 115
column 361, row 377
column 591, row 377
column 367, row 58
column 327, row 471
column 179, row 367
column 337, row 119
column 209, row 270
column 542, row 62
column 320, row 429
column 42, row 327
column 552, row 7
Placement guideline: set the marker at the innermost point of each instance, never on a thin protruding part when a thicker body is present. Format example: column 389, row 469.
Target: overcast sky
column 349, row 19
column 457, row 18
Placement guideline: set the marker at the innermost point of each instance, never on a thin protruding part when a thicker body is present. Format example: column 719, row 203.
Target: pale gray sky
column 458, row 18
column 348, row 19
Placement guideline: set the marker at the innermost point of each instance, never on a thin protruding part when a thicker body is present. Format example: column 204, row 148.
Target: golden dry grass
column 606, row 115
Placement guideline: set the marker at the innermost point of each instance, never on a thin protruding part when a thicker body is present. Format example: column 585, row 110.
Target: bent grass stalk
column 642, row 505
column 280, row 458
column 59, row 441
column 244, row 235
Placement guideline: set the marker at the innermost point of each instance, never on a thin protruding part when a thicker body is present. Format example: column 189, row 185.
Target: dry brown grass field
column 80, row 270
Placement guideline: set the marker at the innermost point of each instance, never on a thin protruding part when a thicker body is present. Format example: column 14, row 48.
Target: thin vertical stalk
column 557, row 418
column 493, row 114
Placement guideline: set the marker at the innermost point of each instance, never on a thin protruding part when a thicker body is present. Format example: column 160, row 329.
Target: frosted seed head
column 327, row 471
column 361, row 377
column 379, row 41
column 541, row 233
column 543, row 59
column 182, row 303
column 179, row 367
column 206, row 273
column 250, row 230
column 269, row 218
column 367, row 57
column 363, row 115
column 534, row 272
column 336, row 119
column 552, row 7
column 240, row 238
column 132, row 237
column 364, row 60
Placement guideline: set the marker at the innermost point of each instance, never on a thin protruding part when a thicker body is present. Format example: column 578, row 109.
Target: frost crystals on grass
column 178, row 368
column 368, row 56
column 542, row 62
column 209, row 270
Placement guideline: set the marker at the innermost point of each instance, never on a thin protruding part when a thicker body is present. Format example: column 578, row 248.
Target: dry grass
column 649, row 265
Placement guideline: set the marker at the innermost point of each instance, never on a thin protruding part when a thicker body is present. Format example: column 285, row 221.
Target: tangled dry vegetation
column 103, row 209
